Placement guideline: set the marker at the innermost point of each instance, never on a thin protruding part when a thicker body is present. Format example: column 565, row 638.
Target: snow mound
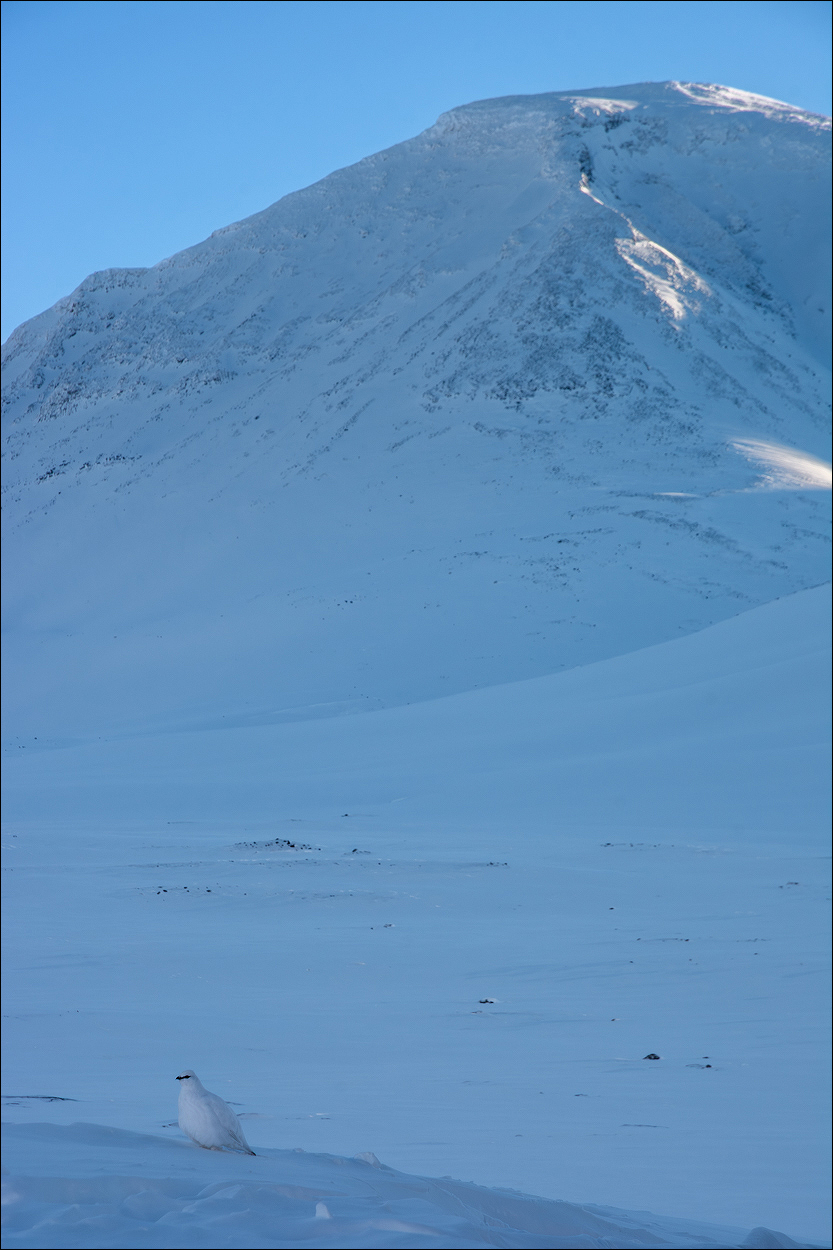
column 131, row 1190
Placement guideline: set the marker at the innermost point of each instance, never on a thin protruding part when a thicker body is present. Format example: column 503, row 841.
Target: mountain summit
column 545, row 384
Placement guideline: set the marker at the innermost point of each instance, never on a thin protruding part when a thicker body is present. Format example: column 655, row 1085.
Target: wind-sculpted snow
column 291, row 1198
column 473, row 410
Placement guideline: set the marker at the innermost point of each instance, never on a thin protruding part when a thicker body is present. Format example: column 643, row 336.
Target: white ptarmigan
column 206, row 1119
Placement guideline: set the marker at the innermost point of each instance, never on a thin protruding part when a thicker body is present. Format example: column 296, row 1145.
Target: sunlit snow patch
column 663, row 274
column 785, row 468
column 740, row 101
column 584, row 104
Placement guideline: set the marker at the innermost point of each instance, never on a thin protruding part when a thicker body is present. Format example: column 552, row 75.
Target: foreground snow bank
column 107, row 1187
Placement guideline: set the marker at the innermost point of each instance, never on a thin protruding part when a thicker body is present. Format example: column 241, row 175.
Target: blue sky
column 132, row 130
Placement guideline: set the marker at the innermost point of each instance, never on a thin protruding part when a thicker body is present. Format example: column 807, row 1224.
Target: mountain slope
column 542, row 385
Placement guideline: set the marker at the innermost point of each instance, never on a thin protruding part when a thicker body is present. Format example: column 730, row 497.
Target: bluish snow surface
column 416, row 653
column 291, row 1198
column 454, row 942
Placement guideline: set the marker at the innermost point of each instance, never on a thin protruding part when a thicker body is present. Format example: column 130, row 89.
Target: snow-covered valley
column 416, row 675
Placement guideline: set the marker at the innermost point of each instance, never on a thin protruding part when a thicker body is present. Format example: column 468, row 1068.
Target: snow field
column 329, row 970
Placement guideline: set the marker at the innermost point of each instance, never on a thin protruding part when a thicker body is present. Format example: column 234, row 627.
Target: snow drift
column 291, row 1198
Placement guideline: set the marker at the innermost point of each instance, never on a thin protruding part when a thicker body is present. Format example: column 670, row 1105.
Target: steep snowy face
column 542, row 385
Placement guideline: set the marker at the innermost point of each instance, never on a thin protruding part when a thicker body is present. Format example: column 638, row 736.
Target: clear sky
column 132, row 130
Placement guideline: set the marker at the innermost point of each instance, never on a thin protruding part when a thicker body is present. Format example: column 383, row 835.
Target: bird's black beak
column 180, row 1078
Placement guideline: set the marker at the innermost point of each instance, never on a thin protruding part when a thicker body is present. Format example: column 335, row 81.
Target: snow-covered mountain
column 543, row 385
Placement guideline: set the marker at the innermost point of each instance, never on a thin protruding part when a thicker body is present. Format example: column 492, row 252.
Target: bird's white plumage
column 206, row 1119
